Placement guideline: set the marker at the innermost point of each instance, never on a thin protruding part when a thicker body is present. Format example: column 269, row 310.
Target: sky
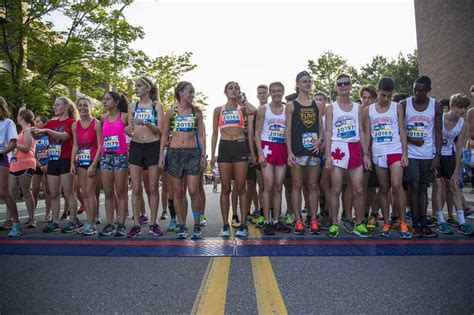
column 255, row 42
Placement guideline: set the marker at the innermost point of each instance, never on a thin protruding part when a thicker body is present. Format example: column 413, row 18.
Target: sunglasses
column 346, row 83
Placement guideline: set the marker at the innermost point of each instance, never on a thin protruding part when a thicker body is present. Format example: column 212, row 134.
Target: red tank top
column 86, row 143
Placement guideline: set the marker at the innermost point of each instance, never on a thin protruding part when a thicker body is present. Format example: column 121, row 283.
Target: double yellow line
column 212, row 294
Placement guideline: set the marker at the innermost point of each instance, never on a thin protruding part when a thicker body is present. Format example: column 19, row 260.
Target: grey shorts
column 183, row 161
column 419, row 170
column 113, row 162
column 308, row 160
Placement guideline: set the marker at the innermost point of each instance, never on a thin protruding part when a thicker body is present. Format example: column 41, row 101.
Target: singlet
column 231, row 118
column 345, row 125
column 146, row 113
column 183, row 123
column 384, row 130
column 7, row 132
column 86, row 143
column 420, row 125
column 57, row 149
column 304, row 128
column 23, row 160
column 113, row 136
column 448, row 137
column 273, row 126
column 41, row 150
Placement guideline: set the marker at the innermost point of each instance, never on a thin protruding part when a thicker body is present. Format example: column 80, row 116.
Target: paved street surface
column 58, row 273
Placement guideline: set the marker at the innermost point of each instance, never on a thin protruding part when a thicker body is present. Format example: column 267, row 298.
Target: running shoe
column 235, row 221
column 48, row 218
column 386, row 230
column 260, row 221
column 182, row 232
column 268, row 228
column 468, row 212
column 134, row 232
column 299, row 227
column 465, row 229
column 404, row 230
column 121, row 230
column 89, row 229
column 431, row 221
column 98, row 220
column 164, row 215
column 202, row 220
column 197, row 235
column 451, row 220
column 326, row 223
column 333, row 230
column 225, row 231
column 290, row 219
column 7, row 225
column 361, row 230
column 155, row 230
column 80, row 230
column 70, row 227
column 372, row 223
column 395, row 223
column 108, row 230
column 15, row 231
column 427, row 232
column 348, row 226
column 172, row 225
column 143, row 219
column 281, row 228
column 408, row 215
column 314, row 227
column 31, row 224
column 417, row 232
column 65, row 216
column 444, row 228
column 51, row 227
column 78, row 222
column 243, row 231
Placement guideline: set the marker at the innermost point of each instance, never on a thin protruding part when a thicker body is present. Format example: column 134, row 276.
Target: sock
column 407, row 209
column 441, row 217
column 275, row 221
column 461, row 219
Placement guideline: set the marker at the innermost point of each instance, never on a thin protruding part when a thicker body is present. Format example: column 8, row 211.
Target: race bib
column 383, row 132
column 276, row 133
column 54, row 152
column 230, row 116
column 185, row 123
column 309, row 138
column 84, row 157
column 345, row 128
column 111, row 143
column 144, row 114
column 416, row 130
column 42, row 157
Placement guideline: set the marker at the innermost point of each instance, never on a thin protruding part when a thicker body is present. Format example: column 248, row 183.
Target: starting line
column 233, row 247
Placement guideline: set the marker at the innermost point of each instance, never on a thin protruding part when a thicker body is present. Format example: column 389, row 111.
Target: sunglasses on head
column 346, row 83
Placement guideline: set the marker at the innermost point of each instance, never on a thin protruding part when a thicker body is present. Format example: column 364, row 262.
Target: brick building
column 445, row 35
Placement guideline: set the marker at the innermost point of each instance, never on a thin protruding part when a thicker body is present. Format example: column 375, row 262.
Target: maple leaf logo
column 338, row 154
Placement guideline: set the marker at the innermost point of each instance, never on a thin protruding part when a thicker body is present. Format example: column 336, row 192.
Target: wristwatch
column 145, row 122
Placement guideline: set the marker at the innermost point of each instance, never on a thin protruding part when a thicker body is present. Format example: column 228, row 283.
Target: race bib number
column 111, row 143
column 416, row 130
column 42, row 157
column 185, row 123
column 144, row 114
column 345, row 128
column 383, row 132
column 276, row 133
column 84, row 157
column 54, row 152
column 309, row 138
column 230, row 116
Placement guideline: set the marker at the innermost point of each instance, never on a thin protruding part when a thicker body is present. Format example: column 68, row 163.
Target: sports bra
column 231, row 118
column 146, row 113
column 183, row 123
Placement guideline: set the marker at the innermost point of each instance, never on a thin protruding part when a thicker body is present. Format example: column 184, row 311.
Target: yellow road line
column 212, row 294
column 269, row 299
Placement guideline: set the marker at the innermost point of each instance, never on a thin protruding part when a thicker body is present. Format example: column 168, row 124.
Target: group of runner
column 380, row 154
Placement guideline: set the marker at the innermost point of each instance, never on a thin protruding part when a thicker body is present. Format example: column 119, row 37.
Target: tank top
column 113, row 136
column 345, row 125
column 420, row 125
column 273, row 126
column 59, row 149
column 448, row 137
column 86, row 144
column 304, row 128
column 146, row 113
column 23, row 160
column 183, row 123
column 231, row 118
column 384, row 130
column 41, row 150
